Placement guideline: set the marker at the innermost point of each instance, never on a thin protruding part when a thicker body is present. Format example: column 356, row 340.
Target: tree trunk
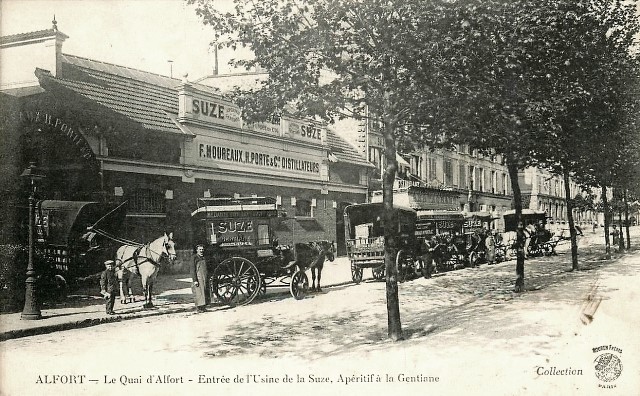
column 512, row 166
column 572, row 228
column 390, row 230
column 605, row 209
column 626, row 219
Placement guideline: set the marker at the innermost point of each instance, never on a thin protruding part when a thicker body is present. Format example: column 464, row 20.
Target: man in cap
column 109, row 285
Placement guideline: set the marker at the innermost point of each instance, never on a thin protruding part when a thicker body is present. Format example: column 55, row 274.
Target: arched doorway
column 62, row 154
column 60, row 151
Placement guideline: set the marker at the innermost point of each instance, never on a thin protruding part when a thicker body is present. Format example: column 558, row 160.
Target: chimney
column 59, row 39
column 215, row 60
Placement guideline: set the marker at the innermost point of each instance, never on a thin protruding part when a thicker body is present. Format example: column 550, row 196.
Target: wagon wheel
column 262, row 291
column 356, row 273
column 236, row 281
column 299, row 285
column 378, row 273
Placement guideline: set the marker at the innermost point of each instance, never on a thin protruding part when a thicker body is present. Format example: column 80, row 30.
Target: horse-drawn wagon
column 540, row 239
column 476, row 228
column 440, row 232
column 66, row 240
column 364, row 234
column 243, row 252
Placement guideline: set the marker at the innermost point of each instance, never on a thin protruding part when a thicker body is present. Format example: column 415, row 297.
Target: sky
column 141, row 34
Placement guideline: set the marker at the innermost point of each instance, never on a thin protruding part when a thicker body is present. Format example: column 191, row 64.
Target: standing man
column 490, row 246
column 199, row 276
column 109, row 285
column 615, row 233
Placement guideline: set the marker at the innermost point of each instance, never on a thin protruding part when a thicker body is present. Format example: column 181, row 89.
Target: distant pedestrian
column 428, row 250
column 530, row 233
column 490, row 244
column 595, row 226
column 521, row 240
column 199, row 277
column 109, row 285
column 615, row 233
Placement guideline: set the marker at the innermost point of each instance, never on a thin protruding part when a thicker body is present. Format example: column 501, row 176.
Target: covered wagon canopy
column 372, row 213
column 475, row 221
column 63, row 223
column 529, row 216
column 250, row 206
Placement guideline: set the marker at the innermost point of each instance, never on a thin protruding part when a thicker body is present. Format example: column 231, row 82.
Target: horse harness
column 136, row 255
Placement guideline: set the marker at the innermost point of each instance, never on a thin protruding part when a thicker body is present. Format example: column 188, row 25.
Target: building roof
column 344, row 151
column 40, row 34
column 152, row 99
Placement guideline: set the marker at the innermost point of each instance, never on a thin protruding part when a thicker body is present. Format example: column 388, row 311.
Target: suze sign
column 206, row 108
column 232, row 232
column 209, row 110
column 304, row 131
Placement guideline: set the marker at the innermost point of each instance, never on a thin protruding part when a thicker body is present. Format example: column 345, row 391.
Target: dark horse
column 312, row 255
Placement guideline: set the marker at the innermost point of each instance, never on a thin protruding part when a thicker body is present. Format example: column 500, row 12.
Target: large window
column 145, row 200
column 433, row 170
column 448, row 173
column 303, row 208
column 505, row 185
column 462, row 177
column 494, row 182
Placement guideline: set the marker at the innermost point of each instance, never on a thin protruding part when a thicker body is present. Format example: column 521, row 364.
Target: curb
column 47, row 329
column 21, row 333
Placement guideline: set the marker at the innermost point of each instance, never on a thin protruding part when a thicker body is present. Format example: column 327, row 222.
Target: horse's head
column 169, row 246
column 327, row 248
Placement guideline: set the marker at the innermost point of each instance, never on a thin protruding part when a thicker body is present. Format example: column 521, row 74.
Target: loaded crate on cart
column 364, row 235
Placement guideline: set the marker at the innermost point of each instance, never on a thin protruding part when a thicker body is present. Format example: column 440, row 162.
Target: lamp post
column 31, row 309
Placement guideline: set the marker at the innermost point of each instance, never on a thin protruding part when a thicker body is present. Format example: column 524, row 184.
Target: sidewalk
column 172, row 294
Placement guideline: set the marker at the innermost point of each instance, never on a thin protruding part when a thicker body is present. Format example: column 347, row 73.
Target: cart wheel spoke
column 356, row 273
column 378, row 273
column 299, row 285
column 236, row 281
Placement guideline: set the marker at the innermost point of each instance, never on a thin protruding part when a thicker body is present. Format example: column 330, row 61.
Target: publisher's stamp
column 608, row 365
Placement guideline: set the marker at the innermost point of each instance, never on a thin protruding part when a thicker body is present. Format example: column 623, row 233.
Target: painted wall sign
column 257, row 158
column 208, row 109
column 305, row 131
column 62, row 128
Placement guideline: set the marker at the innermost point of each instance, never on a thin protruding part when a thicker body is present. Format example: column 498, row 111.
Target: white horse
column 144, row 261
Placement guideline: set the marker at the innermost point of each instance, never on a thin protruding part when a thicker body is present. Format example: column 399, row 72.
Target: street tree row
column 542, row 82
